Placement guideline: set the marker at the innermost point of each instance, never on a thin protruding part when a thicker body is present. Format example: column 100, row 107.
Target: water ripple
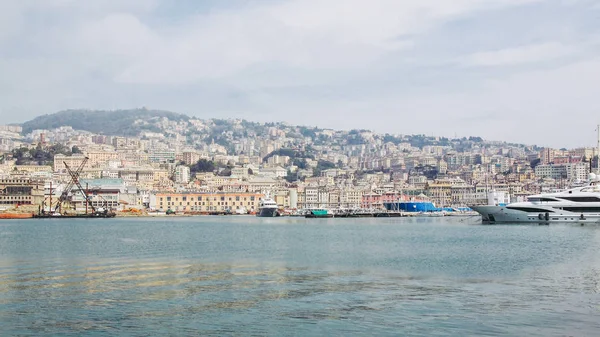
column 353, row 280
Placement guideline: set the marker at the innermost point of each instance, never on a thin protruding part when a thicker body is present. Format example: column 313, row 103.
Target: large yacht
column 577, row 205
column 267, row 207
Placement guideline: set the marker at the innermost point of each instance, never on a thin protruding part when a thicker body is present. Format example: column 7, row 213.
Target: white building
column 551, row 171
column 182, row 174
column 577, row 171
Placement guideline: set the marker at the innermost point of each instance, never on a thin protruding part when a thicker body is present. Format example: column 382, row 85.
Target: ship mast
column 598, row 151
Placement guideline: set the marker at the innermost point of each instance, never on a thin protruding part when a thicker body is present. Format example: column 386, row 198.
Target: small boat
column 318, row 213
column 241, row 211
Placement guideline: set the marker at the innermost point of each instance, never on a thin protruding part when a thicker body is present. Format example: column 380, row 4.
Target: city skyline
column 515, row 71
column 48, row 118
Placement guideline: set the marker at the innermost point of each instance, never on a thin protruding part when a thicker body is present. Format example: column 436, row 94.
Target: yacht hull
column 267, row 212
column 500, row 214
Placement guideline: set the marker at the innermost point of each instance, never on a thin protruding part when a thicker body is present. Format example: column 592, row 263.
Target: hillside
column 114, row 122
column 229, row 132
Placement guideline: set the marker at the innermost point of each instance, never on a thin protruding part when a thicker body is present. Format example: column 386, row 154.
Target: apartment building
column 206, row 202
column 73, row 162
column 21, row 190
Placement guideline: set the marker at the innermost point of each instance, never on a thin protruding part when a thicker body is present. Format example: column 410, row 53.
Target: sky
column 524, row 71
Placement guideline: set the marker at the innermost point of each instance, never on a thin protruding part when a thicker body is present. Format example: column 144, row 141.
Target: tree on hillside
column 322, row 165
column 39, row 155
column 387, row 138
column 112, row 122
column 291, row 176
column 203, row 165
column 429, row 171
column 301, row 163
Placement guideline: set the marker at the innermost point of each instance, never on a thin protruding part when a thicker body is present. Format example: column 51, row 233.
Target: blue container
column 411, row 206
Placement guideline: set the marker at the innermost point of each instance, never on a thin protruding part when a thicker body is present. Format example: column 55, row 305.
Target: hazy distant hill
column 114, row 122
column 225, row 132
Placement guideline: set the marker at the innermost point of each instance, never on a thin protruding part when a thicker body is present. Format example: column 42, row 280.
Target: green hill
column 114, row 122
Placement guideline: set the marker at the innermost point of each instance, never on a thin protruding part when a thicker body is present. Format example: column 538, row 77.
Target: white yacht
column 268, row 207
column 577, row 205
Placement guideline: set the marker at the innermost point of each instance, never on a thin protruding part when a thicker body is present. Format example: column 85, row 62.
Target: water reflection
column 336, row 279
column 77, row 298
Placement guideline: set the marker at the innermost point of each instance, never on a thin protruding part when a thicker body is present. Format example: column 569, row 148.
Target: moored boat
column 575, row 205
column 9, row 215
column 318, row 213
column 579, row 204
column 268, row 208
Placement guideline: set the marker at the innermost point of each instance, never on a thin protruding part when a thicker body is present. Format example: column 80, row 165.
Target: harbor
column 315, row 277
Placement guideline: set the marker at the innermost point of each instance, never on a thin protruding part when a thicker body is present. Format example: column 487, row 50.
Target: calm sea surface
column 293, row 276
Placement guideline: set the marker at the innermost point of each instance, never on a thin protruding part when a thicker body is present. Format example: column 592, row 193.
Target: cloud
column 116, row 34
column 520, row 55
column 307, row 34
column 501, row 69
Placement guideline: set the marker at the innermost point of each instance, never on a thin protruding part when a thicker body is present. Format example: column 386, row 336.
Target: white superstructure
column 268, row 207
column 577, row 205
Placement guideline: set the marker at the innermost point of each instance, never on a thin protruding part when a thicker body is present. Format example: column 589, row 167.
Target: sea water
column 242, row 275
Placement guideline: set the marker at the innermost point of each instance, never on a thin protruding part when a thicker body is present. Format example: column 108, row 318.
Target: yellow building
column 33, row 168
column 440, row 193
column 20, row 190
column 160, row 175
column 101, row 157
column 207, row 202
column 73, row 161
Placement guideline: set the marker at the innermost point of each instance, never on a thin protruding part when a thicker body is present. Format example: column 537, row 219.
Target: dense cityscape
column 174, row 163
column 299, row 168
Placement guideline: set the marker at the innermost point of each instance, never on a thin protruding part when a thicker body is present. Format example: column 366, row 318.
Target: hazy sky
column 515, row 70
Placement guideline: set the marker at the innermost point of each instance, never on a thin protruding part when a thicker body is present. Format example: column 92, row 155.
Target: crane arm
column 75, row 179
column 69, row 187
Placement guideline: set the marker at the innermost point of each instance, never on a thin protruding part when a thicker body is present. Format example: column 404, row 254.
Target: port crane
column 67, row 190
column 56, row 211
column 75, row 180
